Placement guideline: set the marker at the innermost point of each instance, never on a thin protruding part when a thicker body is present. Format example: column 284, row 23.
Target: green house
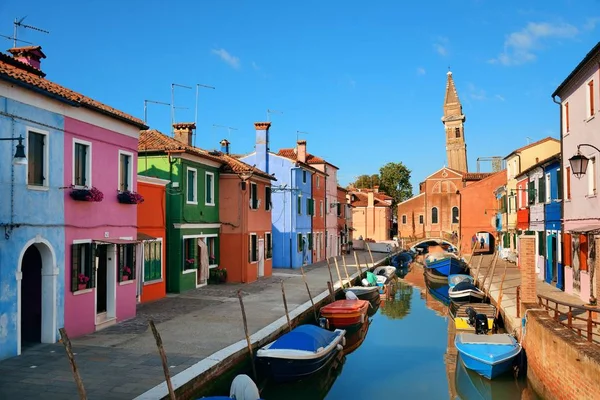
column 192, row 204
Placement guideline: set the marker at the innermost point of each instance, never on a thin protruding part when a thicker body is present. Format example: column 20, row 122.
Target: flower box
column 128, row 197
column 91, row 194
column 125, row 278
column 82, row 286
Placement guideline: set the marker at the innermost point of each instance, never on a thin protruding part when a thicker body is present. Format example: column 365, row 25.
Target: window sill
column 38, row 188
column 189, row 271
column 123, row 283
column 84, row 291
column 590, row 196
column 209, row 204
column 153, row 281
column 590, row 118
column 212, row 266
column 192, row 203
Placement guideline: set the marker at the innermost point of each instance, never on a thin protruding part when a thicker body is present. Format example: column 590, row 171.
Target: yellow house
column 517, row 161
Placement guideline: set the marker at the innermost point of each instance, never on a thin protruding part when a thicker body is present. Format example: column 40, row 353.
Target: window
column 82, row 171
column 568, row 180
column 547, row 185
column 434, row 215
column 125, row 171
column 318, row 181
column 268, row 245
column 321, row 208
column 559, row 184
column 268, row 198
column 253, row 249
column 591, row 174
column 303, row 176
column 253, row 196
column 190, row 252
column 339, row 209
column 299, row 205
column 82, row 262
column 455, row 215
column 299, row 243
column 541, row 190
column 457, row 132
column 309, row 240
column 192, row 184
column 404, row 220
column 126, row 259
column 567, row 117
column 210, row 189
column 309, row 207
column 211, row 246
column 590, row 101
column 37, row 159
column 531, row 192
column 152, row 261
column 421, row 219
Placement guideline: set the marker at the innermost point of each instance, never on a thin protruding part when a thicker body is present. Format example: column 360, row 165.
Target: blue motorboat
column 439, row 291
column 443, row 263
column 488, row 355
column 456, row 278
column 402, row 260
column 302, row 352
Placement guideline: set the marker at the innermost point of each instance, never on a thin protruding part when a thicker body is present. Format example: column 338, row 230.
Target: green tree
column 395, row 181
column 366, row 181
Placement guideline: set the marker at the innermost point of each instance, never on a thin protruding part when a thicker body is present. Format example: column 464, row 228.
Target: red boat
column 345, row 313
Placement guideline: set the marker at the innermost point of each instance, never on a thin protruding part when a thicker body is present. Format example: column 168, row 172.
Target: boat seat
column 472, row 338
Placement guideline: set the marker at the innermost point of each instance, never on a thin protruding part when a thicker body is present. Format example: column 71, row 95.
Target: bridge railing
column 583, row 320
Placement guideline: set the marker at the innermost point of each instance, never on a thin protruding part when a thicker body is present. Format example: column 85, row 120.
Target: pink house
column 579, row 97
column 100, row 170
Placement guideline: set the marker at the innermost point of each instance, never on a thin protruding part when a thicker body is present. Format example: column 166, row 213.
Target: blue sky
column 366, row 80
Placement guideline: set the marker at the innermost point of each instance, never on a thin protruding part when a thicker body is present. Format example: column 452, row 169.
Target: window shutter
column 133, row 259
column 559, row 184
column 74, row 267
column 541, row 190
column 531, row 192
column 250, row 248
column 91, row 267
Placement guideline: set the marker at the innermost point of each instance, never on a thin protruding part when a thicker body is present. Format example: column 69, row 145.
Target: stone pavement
column 122, row 362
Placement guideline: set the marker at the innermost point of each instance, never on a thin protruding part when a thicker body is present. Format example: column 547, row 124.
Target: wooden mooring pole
column 346, row 269
column 337, row 268
column 371, row 254
column 477, row 271
column 78, row 381
column 330, row 287
column 358, row 266
column 309, row 295
column 330, row 278
column 287, row 315
column 163, row 358
column 493, row 268
column 250, row 352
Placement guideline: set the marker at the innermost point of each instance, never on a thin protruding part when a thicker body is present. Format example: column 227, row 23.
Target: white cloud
column 255, row 66
column 224, row 55
column 500, row 97
column 520, row 47
column 421, row 71
column 591, row 23
column 476, row 93
column 441, row 45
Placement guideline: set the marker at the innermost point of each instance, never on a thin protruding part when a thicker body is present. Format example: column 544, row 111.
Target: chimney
column 301, row 156
column 184, row 132
column 376, row 189
column 30, row 55
column 262, row 145
column 370, row 199
column 225, row 146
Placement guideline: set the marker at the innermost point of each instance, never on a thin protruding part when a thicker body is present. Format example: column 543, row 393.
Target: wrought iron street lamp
column 19, row 158
column 579, row 162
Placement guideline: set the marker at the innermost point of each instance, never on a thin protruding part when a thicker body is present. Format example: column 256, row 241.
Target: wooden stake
column 489, row 268
column 74, row 369
column 357, row 266
column 309, row 295
column 330, row 287
column 250, row 352
column 163, row 358
column 499, row 302
column 337, row 268
column 287, row 315
column 477, row 271
column 487, row 292
column 371, row 254
column 329, row 268
column 346, row 270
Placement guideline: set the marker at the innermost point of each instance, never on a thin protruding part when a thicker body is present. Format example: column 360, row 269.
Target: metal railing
column 581, row 319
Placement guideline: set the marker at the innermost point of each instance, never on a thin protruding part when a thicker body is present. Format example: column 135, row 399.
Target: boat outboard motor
column 471, row 313
column 481, row 324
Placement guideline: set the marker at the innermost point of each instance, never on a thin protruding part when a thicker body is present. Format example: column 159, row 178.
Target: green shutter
column 559, row 184
column 541, row 190
column 541, row 243
column 299, row 205
column 91, row 266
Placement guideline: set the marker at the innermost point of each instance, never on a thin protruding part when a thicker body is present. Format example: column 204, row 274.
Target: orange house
column 371, row 214
column 245, row 212
column 318, row 219
column 152, row 235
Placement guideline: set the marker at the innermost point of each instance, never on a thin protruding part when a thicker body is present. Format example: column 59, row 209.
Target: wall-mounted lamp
column 19, row 157
column 579, row 162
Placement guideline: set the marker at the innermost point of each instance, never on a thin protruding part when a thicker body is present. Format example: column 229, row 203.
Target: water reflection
column 398, row 305
column 355, row 337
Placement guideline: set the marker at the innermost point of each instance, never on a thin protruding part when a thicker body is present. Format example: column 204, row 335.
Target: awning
column 593, row 228
column 144, row 237
column 115, row 241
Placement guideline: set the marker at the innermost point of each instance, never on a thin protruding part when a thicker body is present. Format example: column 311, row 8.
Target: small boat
column 488, row 355
column 472, row 386
column 402, row 260
column 466, row 292
column 301, row 352
column 385, row 274
column 464, row 315
column 242, row 388
column 369, row 293
column 443, row 263
column 456, row 278
column 432, row 277
column 439, row 291
column 345, row 313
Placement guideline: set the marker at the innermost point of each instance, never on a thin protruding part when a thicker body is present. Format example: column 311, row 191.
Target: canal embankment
column 561, row 364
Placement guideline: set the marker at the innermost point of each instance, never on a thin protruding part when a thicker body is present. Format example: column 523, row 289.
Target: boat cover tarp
column 459, row 287
column 306, row 338
column 371, row 278
column 243, row 388
column 472, row 338
column 344, row 307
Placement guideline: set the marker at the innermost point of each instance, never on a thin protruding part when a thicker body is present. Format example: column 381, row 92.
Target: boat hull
column 345, row 313
column 445, row 267
column 286, row 370
column 466, row 296
column 371, row 294
column 488, row 355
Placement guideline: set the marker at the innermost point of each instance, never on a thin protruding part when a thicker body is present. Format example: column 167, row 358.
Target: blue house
column 32, row 245
column 552, row 216
column 292, row 203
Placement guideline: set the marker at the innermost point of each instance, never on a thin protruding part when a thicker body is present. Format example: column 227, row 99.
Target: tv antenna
column 198, row 86
column 529, row 140
column 269, row 112
column 300, row 133
column 229, row 129
column 146, row 107
column 173, row 103
column 18, row 23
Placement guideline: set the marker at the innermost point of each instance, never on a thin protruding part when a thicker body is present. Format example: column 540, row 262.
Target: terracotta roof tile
column 23, row 74
column 362, row 200
column 310, row 159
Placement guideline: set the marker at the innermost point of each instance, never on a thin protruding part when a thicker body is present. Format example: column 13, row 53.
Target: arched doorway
column 31, row 297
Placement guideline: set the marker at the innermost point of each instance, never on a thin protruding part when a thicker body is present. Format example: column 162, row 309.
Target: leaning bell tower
column 454, row 122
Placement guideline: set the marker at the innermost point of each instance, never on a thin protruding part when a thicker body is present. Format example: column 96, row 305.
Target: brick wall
column 560, row 364
column 527, row 260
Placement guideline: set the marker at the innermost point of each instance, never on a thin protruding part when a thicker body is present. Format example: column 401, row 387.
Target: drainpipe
column 560, row 283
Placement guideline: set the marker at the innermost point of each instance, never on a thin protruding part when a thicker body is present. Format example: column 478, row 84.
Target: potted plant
column 82, row 281
column 222, row 275
column 189, row 263
column 213, row 275
column 125, row 273
column 87, row 194
column 129, row 197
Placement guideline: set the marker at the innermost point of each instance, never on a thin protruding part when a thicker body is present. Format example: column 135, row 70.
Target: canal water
column 406, row 351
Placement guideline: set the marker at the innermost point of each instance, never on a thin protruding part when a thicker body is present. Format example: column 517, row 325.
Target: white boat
column 385, row 274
